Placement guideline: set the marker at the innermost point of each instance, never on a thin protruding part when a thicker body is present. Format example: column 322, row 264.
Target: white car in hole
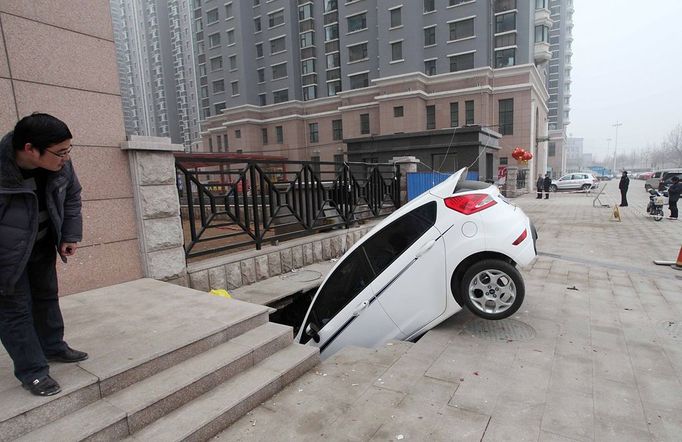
column 453, row 246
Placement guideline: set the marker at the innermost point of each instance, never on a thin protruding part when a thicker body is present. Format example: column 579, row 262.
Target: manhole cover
column 303, row 276
column 502, row 330
column 672, row 329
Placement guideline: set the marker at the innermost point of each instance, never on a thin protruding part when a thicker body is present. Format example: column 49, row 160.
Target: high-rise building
column 301, row 77
column 559, row 82
column 156, row 68
column 574, row 155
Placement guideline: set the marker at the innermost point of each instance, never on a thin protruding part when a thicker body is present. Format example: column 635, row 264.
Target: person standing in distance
column 539, row 184
column 674, row 192
column 547, row 185
column 40, row 216
column 623, row 186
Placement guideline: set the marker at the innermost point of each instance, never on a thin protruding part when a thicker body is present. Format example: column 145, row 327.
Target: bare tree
column 673, row 145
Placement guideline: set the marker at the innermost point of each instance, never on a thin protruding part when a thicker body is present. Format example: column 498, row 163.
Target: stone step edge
column 112, row 418
column 222, row 406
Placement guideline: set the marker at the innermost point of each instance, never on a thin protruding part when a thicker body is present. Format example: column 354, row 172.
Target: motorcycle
column 656, row 202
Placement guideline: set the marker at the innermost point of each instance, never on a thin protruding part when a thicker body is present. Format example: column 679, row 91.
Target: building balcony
column 542, row 17
column 542, row 52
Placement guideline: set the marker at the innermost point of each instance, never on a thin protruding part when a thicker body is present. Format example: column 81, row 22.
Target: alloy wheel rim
column 492, row 291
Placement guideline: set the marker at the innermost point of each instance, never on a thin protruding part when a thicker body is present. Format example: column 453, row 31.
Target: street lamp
column 608, row 148
column 615, row 146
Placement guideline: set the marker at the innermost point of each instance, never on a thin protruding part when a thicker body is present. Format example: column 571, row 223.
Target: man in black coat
column 540, row 184
column 547, row 185
column 674, row 192
column 623, row 186
column 40, row 216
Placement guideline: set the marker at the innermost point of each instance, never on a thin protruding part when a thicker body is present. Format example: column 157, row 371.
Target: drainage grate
column 671, row 329
column 302, row 276
column 502, row 330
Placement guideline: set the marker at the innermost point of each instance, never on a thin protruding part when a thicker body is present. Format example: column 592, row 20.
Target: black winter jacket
column 19, row 214
column 674, row 192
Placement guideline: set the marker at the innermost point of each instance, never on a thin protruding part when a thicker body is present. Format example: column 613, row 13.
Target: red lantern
column 527, row 156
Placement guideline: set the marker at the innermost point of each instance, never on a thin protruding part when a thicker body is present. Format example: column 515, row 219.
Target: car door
column 408, row 257
column 344, row 311
column 564, row 182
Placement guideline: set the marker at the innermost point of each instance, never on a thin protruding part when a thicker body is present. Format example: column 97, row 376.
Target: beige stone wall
column 58, row 56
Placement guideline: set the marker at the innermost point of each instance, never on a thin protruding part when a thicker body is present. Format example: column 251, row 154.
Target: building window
column 228, row 11
column 219, row 107
column 506, row 114
column 333, row 88
column 214, row 40
column 216, row 64
column 257, row 24
column 505, row 57
column 331, row 32
column 364, row 124
column 314, row 133
column 279, row 133
column 504, row 5
column 278, row 45
column 280, row 96
column 430, row 36
column 233, row 62
column 357, row 52
column 210, row 144
column 454, row 114
column 430, row 67
column 307, row 39
column 357, row 22
column 338, row 159
column 359, row 81
column 330, row 5
column 235, row 88
column 462, row 29
column 218, row 86
column 261, row 75
column 264, row 135
column 308, row 66
column 397, row 51
column 337, row 130
column 504, row 160
column 238, row 133
column 219, row 141
column 309, row 92
column 275, row 18
column 396, row 17
column 541, row 34
column 305, row 12
column 279, row 71
column 333, row 60
column 429, row 5
column 456, row 2
column 551, row 150
column 469, row 112
column 212, row 16
column 398, row 111
column 263, row 100
column 430, row 117
column 259, row 50
column 504, row 40
column 541, row 4
column 203, row 93
column 505, row 22
column 461, row 62
column 230, row 37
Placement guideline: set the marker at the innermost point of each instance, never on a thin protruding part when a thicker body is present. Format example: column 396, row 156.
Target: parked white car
column 455, row 245
column 574, row 181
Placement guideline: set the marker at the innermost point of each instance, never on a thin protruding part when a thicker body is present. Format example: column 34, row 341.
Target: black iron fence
column 235, row 203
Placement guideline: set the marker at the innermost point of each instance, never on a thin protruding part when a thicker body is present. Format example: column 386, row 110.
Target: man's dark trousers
column 31, row 324
column 623, row 197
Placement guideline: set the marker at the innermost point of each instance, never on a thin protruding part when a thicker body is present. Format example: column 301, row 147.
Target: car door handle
column 425, row 248
column 363, row 305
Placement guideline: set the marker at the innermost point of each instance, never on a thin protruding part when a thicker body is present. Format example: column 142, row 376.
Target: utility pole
column 608, row 148
column 615, row 145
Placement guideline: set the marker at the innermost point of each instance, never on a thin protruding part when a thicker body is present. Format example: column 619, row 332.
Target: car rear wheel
column 492, row 289
column 553, row 188
column 586, row 187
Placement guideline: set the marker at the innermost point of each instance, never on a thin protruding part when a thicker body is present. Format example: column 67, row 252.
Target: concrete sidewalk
column 594, row 353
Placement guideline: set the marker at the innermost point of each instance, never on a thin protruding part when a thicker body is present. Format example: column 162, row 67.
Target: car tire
column 586, row 187
column 553, row 188
column 498, row 276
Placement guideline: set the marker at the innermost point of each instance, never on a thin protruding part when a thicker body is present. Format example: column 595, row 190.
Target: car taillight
column 470, row 204
column 521, row 237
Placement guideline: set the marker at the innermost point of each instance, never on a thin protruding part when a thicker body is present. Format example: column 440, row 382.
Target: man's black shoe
column 68, row 355
column 43, row 387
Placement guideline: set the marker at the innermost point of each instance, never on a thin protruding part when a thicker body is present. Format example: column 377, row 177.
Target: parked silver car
column 574, row 181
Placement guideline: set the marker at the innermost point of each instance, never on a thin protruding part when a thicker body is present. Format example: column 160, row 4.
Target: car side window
column 349, row 279
column 385, row 246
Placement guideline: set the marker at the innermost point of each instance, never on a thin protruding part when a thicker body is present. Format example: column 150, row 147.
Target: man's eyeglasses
column 61, row 154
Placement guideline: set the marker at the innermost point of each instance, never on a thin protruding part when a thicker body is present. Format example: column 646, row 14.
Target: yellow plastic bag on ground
column 221, row 292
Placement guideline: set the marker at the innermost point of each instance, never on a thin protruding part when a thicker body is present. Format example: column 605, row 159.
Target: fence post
column 407, row 165
column 152, row 166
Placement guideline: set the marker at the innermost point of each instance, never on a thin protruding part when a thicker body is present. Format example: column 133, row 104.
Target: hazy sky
column 627, row 66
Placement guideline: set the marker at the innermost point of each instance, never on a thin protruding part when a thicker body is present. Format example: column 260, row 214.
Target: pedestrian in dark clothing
column 540, row 184
column 40, row 216
column 547, row 185
column 623, row 186
column 674, row 192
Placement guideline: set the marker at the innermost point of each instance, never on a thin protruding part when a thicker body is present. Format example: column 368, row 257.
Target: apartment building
column 156, row 68
column 559, row 83
column 302, row 78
